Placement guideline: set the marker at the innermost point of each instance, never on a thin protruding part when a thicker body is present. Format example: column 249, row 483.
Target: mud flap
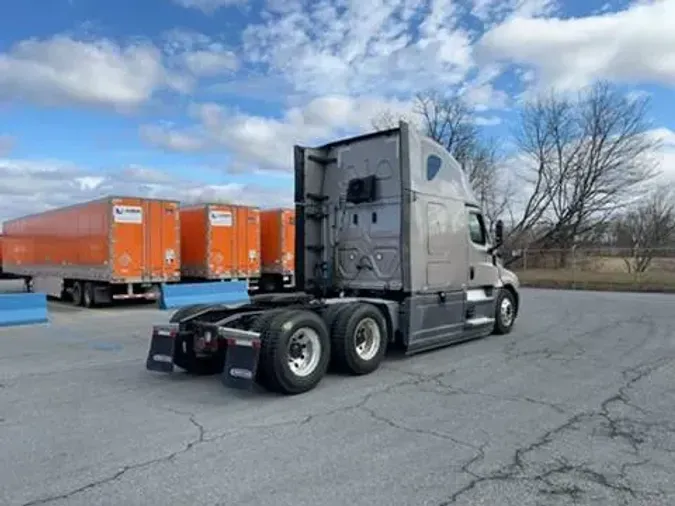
column 241, row 358
column 160, row 355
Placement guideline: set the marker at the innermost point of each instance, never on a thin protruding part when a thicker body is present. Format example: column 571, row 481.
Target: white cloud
column 481, row 93
column 171, row 140
column 100, row 73
column 211, row 62
column 201, row 55
column 496, row 11
column 378, row 47
column 33, row 186
column 634, row 45
column 208, row 6
column 260, row 143
column 488, row 120
column 666, row 155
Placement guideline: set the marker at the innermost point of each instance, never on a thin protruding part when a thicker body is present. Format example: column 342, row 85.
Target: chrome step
column 480, row 321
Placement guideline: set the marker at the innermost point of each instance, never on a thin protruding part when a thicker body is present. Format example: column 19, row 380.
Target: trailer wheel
column 76, row 293
column 359, row 339
column 295, row 352
column 505, row 312
column 88, row 295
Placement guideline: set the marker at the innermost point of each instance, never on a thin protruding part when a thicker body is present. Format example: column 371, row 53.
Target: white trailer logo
column 128, row 214
column 220, row 218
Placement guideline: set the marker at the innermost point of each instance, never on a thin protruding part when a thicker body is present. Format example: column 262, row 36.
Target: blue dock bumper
column 217, row 292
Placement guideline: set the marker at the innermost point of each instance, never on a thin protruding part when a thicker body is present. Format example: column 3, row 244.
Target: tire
column 76, row 293
column 349, row 353
column 330, row 313
column 279, row 343
column 187, row 311
column 261, row 325
column 505, row 312
column 262, row 322
column 88, row 296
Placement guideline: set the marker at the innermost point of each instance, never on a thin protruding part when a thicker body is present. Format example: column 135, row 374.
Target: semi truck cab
column 392, row 249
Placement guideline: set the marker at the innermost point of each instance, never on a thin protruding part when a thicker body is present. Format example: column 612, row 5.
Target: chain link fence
column 651, row 270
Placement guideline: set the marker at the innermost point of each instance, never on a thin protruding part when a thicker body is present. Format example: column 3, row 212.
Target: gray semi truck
column 392, row 249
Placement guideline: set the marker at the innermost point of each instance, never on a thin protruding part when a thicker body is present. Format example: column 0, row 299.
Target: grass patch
column 604, row 281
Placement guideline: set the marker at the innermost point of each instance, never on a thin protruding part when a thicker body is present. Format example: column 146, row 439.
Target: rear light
column 170, row 331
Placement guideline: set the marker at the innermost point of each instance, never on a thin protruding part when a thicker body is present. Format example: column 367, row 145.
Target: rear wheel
column 330, row 313
column 76, row 293
column 295, row 352
column 359, row 339
column 261, row 325
column 88, row 295
column 187, row 311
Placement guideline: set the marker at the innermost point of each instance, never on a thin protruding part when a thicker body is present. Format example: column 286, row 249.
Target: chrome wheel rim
column 303, row 351
column 506, row 312
column 367, row 338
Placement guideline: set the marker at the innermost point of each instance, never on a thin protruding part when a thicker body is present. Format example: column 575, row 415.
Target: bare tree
column 586, row 158
column 645, row 228
column 450, row 121
column 386, row 120
column 489, row 179
column 447, row 120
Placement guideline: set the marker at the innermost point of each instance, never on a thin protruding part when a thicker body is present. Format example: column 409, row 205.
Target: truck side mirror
column 499, row 231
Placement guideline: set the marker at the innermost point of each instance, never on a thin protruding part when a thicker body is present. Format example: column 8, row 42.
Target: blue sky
column 205, row 98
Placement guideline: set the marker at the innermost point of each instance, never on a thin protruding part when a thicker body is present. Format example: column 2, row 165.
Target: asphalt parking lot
column 576, row 406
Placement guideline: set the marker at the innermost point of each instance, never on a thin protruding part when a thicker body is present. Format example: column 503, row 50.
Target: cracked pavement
column 576, row 406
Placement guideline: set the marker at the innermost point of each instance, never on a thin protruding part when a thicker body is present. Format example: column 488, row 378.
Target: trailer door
column 221, row 241
column 127, row 231
column 161, row 241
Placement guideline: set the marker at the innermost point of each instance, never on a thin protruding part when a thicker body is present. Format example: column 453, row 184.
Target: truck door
column 482, row 273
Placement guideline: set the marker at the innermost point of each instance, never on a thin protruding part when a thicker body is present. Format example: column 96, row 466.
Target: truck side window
column 477, row 229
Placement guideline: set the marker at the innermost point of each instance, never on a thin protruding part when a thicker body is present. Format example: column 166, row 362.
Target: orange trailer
column 2, row 273
column 277, row 245
column 97, row 251
column 220, row 241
